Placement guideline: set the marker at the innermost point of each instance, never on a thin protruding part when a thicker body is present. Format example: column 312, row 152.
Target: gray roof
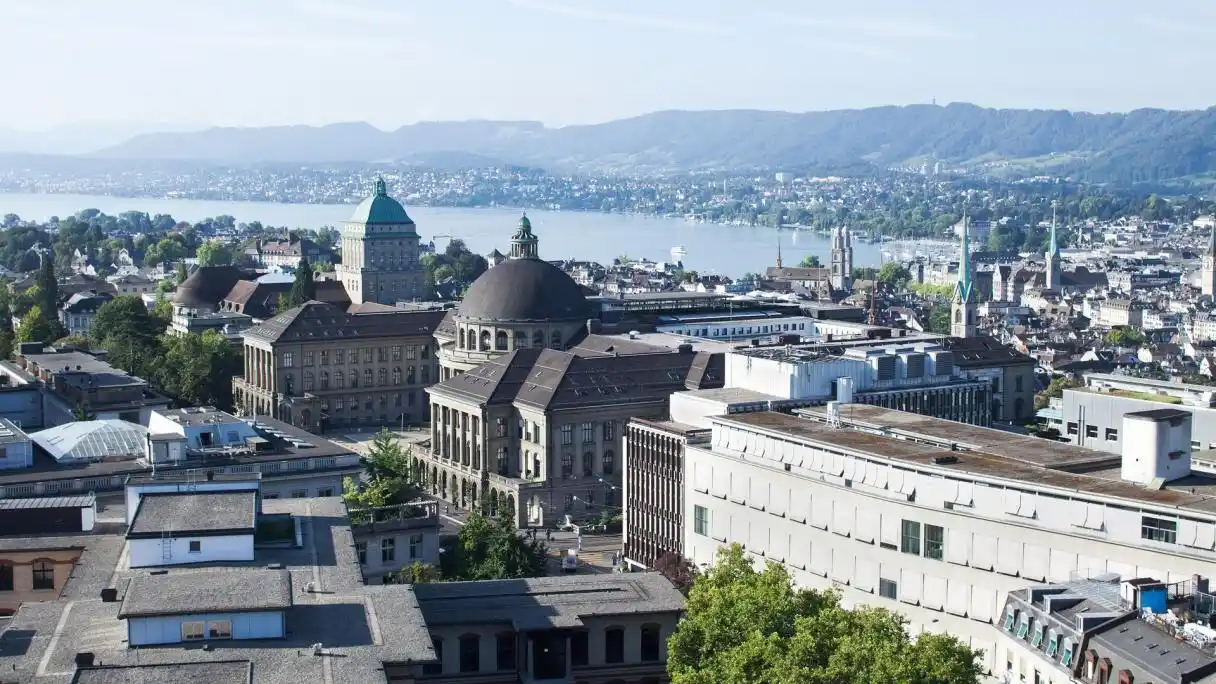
column 1153, row 651
column 524, row 290
column 216, row 672
column 319, row 321
column 194, row 513
column 228, row 590
column 93, row 440
column 82, row 501
column 10, row 433
column 546, row 602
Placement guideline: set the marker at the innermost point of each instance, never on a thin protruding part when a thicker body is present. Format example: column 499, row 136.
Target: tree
column 678, row 570
column 180, row 273
column 753, row 627
column 214, row 253
column 304, row 288
column 34, row 327
column 7, row 335
column 48, row 287
column 810, row 261
column 939, row 319
column 1124, row 337
column 198, row 369
column 125, row 329
column 491, row 548
column 1055, row 390
column 893, row 275
column 866, row 273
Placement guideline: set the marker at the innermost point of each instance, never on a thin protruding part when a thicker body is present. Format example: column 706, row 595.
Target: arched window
column 500, row 340
column 555, row 340
column 538, row 339
column 324, row 380
column 958, row 316
column 485, row 341
column 650, row 642
column 44, row 574
column 460, row 344
column 470, row 653
column 614, row 645
column 521, row 339
column 339, row 380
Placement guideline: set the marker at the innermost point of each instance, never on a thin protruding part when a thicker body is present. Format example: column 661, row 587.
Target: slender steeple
column 1207, row 275
column 778, row 250
column 524, row 242
column 963, row 314
column 1053, row 256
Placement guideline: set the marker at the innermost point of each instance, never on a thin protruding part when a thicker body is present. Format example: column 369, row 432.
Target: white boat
column 678, row 253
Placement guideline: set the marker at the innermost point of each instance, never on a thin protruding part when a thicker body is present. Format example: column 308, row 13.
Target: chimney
column 1156, row 446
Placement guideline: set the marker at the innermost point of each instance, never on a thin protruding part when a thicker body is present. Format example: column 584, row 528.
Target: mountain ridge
column 1141, row 145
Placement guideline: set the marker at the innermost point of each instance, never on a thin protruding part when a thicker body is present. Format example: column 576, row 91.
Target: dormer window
column 1010, row 616
column 1053, row 644
column 1037, row 635
column 1023, row 626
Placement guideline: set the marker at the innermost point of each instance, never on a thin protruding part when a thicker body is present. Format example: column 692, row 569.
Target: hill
column 1139, row 146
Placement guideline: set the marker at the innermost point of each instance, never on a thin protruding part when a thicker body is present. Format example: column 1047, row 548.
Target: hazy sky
column 391, row 62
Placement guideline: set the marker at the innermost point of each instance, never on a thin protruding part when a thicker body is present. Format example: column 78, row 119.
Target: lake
column 710, row 248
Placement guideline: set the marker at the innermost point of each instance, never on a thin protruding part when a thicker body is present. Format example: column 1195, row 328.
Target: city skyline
column 316, row 62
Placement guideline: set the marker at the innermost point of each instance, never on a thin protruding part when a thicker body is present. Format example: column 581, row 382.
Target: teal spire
column 962, row 290
column 1054, row 249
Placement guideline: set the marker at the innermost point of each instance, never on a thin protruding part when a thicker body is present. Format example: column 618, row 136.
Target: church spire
column 778, row 250
column 1054, row 249
column 1212, row 240
column 963, row 314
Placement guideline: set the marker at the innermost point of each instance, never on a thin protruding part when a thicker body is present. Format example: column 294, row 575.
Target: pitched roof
column 320, row 320
column 983, row 351
column 207, row 286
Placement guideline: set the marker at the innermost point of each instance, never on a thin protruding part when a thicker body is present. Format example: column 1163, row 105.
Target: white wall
column 1156, row 449
column 145, row 553
column 848, row 536
column 168, row 629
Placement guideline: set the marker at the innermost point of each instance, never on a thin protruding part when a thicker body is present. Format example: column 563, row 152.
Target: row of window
column 499, row 340
column 342, row 403
column 43, row 576
column 211, row 629
column 608, row 428
column 469, row 646
column 381, row 378
column 589, row 500
column 607, row 464
column 388, row 549
column 381, row 354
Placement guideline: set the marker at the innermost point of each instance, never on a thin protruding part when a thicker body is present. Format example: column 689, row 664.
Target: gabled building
column 76, row 314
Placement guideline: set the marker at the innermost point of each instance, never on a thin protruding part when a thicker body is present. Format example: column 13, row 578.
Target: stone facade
column 380, row 252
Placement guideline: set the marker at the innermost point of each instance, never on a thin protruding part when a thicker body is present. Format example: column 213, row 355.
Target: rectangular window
column 588, row 432
column 289, row 359
column 910, row 537
column 367, row 355
column 410, row 351
column 415, row 546
column 325, row 491
column 470, row 653
column 1159, row 529
column 307, row 358
column 568, row 504
column 935, row 541
column 339, row 357
column 361, row 551
column 192, row 631
column 578, row 649
column 299, row 494
column 500, row 427
column 609, row 430
column 1072, row 429
column 196, row 546
column 888, row 589
column 1112, row 434
column 567, row 466
column 6, row 577
column 567, row 434
column 1091, row 431
column 700, row 520
column 614, row 645
column 506, row 651
column 396, row 352
column 219, row 629
column 388, row 550
column 323, row 356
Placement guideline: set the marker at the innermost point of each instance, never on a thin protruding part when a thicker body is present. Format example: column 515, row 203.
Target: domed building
column 523, row 302
column 380, row 252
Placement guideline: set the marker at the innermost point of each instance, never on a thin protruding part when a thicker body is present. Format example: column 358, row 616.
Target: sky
column 197, row 63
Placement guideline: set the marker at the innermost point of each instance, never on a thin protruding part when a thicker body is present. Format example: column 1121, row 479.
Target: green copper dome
column 380, row 208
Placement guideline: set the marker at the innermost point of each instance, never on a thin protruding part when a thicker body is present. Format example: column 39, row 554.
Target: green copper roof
column 962, row 289
column 1054, row 248
column 380, row 208
column 525, row 229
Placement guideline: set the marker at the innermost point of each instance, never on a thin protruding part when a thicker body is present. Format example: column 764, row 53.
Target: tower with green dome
column 380, row 252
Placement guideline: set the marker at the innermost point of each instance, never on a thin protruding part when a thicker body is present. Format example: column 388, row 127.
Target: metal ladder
column 166, row 547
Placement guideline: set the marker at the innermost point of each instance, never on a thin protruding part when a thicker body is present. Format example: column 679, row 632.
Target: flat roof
column 215, row 672
column 732, row 395
column 1158, row 415
column 982, row 452
column 219, row 590
column 82, row 501
column 199, row 415
column 194, row 513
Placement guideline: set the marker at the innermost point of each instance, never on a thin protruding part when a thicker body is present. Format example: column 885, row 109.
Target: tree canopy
column 1125, row 337
column 304, row 288
column 491, row 548
column 387, row 480
column 810, row 261
column 34, row 327
column 214, row 253
column 939, row 319
column 893, row 274
column 744, row 626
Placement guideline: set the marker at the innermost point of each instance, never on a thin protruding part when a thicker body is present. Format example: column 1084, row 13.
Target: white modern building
column 192, row 528
column 940, row 520
column 1092, row 415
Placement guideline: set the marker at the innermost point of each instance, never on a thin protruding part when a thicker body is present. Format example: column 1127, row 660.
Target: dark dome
column 524, row 290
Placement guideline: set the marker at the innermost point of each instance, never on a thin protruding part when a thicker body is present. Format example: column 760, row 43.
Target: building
column 538, row 432
column 192, row 527
column 319, row 367
column 392, row 538
column 938, row 520
column 74, row 381
column 132, row 283
column 1009, row 373
column 169, row 609
column 1207, row 274
column 306, row 615
column 842, row 259
column 1115, row 313
column 1092, row 415
column 963, row 319
column 35, row 568
column 287, row 253
column 380, row 252
column 522, row 303
column 16, row 449
column 76, row 314
column 98, row 456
